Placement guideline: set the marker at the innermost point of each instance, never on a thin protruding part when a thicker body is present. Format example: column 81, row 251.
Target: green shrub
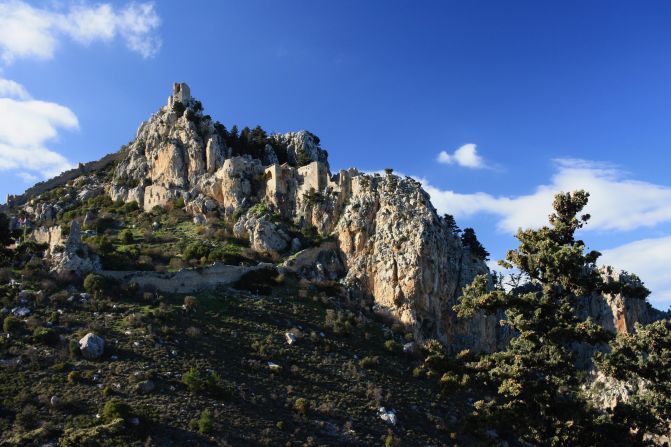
column 196, row 250
column 74, row 377
column 115, row 409
column 45, row 335
column 301, row 406
column 130, row 207
column 126, row 237
column 392, row 346
column 369, row 362
column 73, row 348
column 205, row 422
column 12, row 324
column 94, row 283
column 202, row 382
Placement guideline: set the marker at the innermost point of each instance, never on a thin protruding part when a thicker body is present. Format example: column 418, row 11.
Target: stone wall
column 155, row 195
column 186, row 280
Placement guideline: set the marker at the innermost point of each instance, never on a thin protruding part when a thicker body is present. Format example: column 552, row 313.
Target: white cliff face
column 401, row 252
column 398, row 252
column 621, row 305
column 302, row 146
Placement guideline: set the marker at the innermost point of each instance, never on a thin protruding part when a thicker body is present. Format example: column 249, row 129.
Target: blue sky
column 495, row 105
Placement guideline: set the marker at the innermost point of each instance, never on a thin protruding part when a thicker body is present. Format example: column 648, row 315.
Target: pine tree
column 642, row 359
column 451, row 224
column 534, row 383
column 5, row 234
column 469, row 239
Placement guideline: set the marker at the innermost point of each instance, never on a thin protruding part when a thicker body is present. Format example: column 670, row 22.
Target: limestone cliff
column 398, row 253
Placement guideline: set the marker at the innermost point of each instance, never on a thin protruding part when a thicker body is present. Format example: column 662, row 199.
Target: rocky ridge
column 400, row 256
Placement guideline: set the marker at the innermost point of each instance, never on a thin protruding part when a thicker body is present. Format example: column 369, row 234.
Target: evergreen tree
column 5, row 234
column 642, row 359
column 469, row 239
column 534, row 383
column 451, row 224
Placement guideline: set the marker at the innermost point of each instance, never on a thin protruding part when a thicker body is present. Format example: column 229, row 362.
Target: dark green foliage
column 126, row 237
column 45, row 335
column 205, row 422
column 105, row 246
column 196, row 250
column 12, row 324
column 469, row 239
column 206, row 382
column 451, row 224
column 642, row 358
column 259, row 281
column 5, row 236
column 94, row 283
column 104, row 223
column 535, row 382
column 301, row 405
column 302, row 158
column 178, row 108
column 115, row 409
column 129, row 207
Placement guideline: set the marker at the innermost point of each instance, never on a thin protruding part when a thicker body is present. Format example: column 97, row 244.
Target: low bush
column 12, row 325
column 209, row 383
column 301, row 406
column 114, row 409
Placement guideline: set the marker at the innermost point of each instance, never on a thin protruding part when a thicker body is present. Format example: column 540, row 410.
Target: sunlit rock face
column 399, row 254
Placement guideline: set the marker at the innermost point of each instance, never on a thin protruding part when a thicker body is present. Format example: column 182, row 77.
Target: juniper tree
column 469, row 239
column 5, row 234
column 644, row 360
column 534, row 383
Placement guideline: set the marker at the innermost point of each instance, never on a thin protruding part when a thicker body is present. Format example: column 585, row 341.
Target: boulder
column 389, row 416
column 91, row 346
column 145, row 387
column 199, row 219
column 264, row 235
column 21, row 311
column 291, row 338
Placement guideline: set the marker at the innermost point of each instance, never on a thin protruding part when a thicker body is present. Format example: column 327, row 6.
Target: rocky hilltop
column 393, row 253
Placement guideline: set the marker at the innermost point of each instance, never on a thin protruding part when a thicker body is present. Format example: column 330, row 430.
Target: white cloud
column 27, row 125
column 466, row 156
column 616, row 202
column 28, row 177
column 12, row 89
column 650, row 259
column 30, row 32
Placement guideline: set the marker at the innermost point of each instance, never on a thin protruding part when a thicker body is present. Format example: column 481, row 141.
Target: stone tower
column 180, row 93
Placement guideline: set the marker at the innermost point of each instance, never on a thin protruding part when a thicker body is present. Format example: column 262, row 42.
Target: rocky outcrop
column 265, row 236
column 51, row 236
column 392, row 250
column 320, row 263
column 400, row 252
column 622, row 303
column 75, row 259
column 91, row 346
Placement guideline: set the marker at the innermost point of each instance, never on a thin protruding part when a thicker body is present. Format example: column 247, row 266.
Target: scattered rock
column 389, row 416
column 91, row 346
column 199, row 219
column 21, row 311
column 145, row 387
column 56, row 402
column 291, row 338
column 409, row 348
